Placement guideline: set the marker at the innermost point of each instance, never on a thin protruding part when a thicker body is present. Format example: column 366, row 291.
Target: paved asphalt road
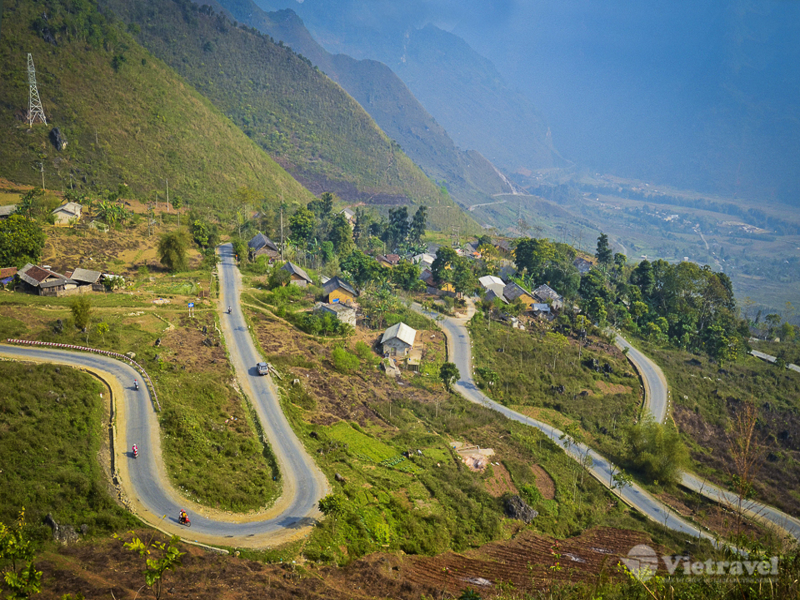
column 655, row 384
column 303, row 483
column 657, row 402
column 460, row 352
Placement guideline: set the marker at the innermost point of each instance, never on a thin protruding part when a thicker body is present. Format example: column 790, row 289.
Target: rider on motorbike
column 183, row 516
column 229, row 310
column 135, row 451
column 136, row 384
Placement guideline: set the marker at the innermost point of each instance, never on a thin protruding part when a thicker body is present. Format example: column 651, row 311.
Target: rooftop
column 295, row 270
column 402, row 332
column 335, row 283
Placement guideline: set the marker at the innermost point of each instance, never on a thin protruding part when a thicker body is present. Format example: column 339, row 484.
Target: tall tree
column 449, row 374
column 172, row 248
column 341, row 235
column 418, row 224
column 21, row 241
column 302, row 224
column 322, row 206
column 604, row 254
column 533, row 255
column 397, row 231
column 445, row 258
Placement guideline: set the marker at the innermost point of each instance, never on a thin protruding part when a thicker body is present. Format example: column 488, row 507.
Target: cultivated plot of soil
column 500, row 482
column 98, row 570
column 544, row 483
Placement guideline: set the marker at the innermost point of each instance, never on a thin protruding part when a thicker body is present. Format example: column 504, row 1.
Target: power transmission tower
column 35, row 110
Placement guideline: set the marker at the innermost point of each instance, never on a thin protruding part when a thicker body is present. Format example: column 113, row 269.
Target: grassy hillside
column 127, row 117
column 469, row 176
column 303, row 119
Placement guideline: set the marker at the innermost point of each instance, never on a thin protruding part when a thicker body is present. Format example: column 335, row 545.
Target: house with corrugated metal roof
column 261, row 245
column 398, row 340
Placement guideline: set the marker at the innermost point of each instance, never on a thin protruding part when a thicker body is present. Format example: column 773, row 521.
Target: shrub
column 344, row 361
column 656, row 451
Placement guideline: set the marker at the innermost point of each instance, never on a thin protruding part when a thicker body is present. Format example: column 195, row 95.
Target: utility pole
column 167, row 180
column 35, row 109
column 282, row 206
column 41, row 168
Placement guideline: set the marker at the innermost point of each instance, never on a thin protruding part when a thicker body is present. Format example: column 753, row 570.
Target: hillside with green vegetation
column 300, row 117
column 126, row 116
column 469, row 176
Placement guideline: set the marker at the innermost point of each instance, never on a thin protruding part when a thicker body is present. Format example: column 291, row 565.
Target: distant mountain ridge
column 469, row 176
column 461, row 89
column 304, row 121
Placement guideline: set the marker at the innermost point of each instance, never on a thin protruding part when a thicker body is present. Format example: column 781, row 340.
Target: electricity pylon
column 35, row 110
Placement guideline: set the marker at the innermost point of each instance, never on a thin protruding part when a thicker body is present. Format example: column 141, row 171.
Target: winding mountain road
column 459, row 348
column 657, row 402
column 144, row 480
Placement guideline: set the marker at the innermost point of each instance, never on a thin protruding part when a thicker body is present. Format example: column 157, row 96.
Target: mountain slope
column 470, row 177
column 460, row 88
column 138, row 123
column 303, row 119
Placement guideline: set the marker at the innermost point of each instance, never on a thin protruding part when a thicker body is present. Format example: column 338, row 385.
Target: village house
column 583, row 265
column 298, row 276
column 44, row 282
column 68, row 213
column 502, row 246
column 349, row 215
column 7, row 210
column 85, row 278
column 261, row 245
column 342, row 312
column 388, row 260
column 425, row 261
column 512, row 291
column 338, row 291
column 398, row 340
column 544, row 293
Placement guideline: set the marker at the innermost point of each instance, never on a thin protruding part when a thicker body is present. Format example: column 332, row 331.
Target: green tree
column 278, row 278
column 20, row 577
column 418, row 223
column 446, row 257
column 81, row 308
column 322, row 206
column 341, row 235
column 603, row 254
column 597, row 310
column 463, row 278
column 449, row 374
column 656, row 451
column 397, row 231
column 30, row 203
column 204, row 233
column 159, row 558
column 102, row 329
column 533, row 254
column 172, row 248
column 302, row 224
column 334, row 506
column 406, row 275
column 240, row 250
column 773, row 321
column 21, row 241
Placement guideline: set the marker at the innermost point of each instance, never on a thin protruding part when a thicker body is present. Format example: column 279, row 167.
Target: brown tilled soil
column 500, row 482
column 544, row 483
column 104, row 568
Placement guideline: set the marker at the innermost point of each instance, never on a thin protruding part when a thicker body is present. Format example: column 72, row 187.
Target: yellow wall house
column 338, row 291
column 513, row 291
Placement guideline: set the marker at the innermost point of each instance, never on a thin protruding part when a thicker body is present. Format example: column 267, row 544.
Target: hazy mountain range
column 697, row 94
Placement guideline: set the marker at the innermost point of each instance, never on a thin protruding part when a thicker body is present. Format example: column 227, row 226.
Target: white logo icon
column 642, row 561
